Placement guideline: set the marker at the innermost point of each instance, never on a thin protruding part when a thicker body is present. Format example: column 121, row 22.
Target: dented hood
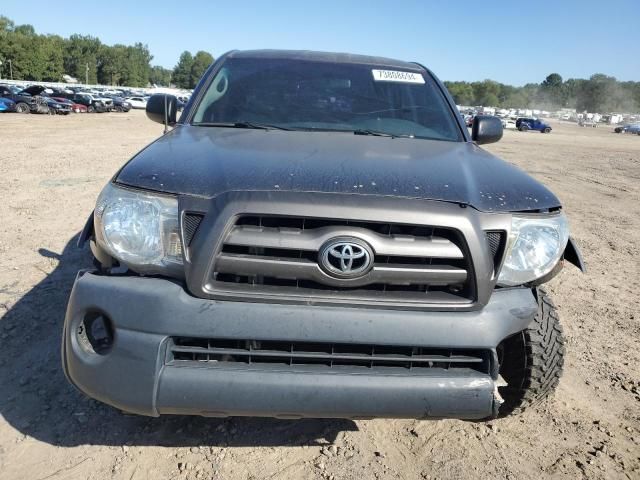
column 208, row 161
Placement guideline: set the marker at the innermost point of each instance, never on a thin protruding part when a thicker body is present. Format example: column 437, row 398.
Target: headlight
column 535, row 246
column 139, row 229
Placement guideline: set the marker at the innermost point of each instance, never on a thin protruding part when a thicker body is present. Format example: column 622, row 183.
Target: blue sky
column 508, row 41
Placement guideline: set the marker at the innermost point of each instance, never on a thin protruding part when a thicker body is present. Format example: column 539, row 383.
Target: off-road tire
column 523, row 128
column 531, row 361
column 546, row 130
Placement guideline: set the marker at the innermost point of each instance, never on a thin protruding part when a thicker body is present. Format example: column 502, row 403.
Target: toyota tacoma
column 319, row 235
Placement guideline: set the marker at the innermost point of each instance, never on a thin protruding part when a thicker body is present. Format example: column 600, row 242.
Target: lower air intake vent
column 326, row 355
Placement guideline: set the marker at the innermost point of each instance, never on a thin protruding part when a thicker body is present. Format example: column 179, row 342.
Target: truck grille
column 328, row 355
column 280, row 256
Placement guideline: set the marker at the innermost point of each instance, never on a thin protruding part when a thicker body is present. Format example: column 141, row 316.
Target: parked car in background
column 56, row 107
column 75, row 107
column 527, row 123
column 137, row 102
column 106, row 101
column 38, row 98
column 628, row 128
column 508, row 123
column 468, row 120
column 120, row 104
column 7, row 105
column 23, row 101
column 88, row 101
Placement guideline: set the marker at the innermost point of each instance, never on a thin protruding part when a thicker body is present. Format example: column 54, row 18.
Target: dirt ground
column 51, row 170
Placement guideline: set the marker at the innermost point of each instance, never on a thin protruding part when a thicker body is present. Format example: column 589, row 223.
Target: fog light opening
column 95, row 333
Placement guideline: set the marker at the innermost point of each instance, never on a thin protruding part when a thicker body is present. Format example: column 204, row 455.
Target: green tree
column 160, row 76
column 201, row 62
column 111, row 64
column 462, row 92
column 486, row 93
column 82, row 51
column 552, row 91
column 572, row 87
column 25, row 30
column 6, row 24
column 595, row 95
column 182, row 71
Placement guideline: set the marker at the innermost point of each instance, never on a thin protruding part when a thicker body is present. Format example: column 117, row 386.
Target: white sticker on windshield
column 396, row 76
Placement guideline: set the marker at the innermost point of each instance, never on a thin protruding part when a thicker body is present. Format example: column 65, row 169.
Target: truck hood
column 208, row 161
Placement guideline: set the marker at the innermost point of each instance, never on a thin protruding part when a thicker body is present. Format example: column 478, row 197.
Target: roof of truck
column 332, row 57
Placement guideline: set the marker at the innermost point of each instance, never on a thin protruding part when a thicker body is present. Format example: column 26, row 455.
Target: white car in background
column 137, row 102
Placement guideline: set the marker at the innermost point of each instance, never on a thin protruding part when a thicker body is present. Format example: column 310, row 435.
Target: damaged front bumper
column 141, row 373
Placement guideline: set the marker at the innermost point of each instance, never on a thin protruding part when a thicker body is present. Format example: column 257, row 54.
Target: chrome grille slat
column 312, row 240
column 301, row 269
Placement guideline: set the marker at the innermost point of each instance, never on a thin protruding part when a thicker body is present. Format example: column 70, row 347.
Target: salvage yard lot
column 51, row 170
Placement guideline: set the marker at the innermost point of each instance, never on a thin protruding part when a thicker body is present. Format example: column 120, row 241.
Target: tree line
column 26, row 55
column 40, row 57
column 599, row 93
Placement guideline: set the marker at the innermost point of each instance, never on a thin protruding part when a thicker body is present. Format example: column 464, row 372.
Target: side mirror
column 162, row 108
column 486, row 129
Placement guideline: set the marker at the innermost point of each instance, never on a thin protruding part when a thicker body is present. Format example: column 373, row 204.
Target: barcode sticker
column 397, row 76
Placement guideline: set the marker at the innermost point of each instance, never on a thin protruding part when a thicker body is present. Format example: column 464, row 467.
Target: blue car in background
column 7, row 105
column 524, row 124
column 633, row 128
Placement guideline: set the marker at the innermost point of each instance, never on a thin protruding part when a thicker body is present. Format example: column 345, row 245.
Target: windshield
column 309, row 95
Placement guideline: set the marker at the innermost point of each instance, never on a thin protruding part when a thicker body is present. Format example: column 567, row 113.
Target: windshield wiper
column 256, row 126
column 378, row 133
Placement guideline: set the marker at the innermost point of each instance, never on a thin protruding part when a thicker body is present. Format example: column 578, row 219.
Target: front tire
column 531, row 361
column 22, row 107
column 523, row 128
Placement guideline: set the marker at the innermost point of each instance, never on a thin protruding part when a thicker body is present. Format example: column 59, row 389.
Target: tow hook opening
column 95, row 333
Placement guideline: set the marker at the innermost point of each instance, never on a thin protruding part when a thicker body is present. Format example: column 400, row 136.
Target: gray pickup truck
column 319, row 235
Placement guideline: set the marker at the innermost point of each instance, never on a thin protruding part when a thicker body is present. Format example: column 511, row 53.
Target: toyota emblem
column 346, row 257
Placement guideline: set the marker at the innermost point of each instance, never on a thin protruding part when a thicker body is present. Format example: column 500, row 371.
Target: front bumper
column 147, row 312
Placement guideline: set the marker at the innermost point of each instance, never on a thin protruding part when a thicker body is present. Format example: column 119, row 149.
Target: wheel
column 90, row 109
column 118, row 109
column 546, row 130
column 22, row 108
column 531, row 361
column 523, row 128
